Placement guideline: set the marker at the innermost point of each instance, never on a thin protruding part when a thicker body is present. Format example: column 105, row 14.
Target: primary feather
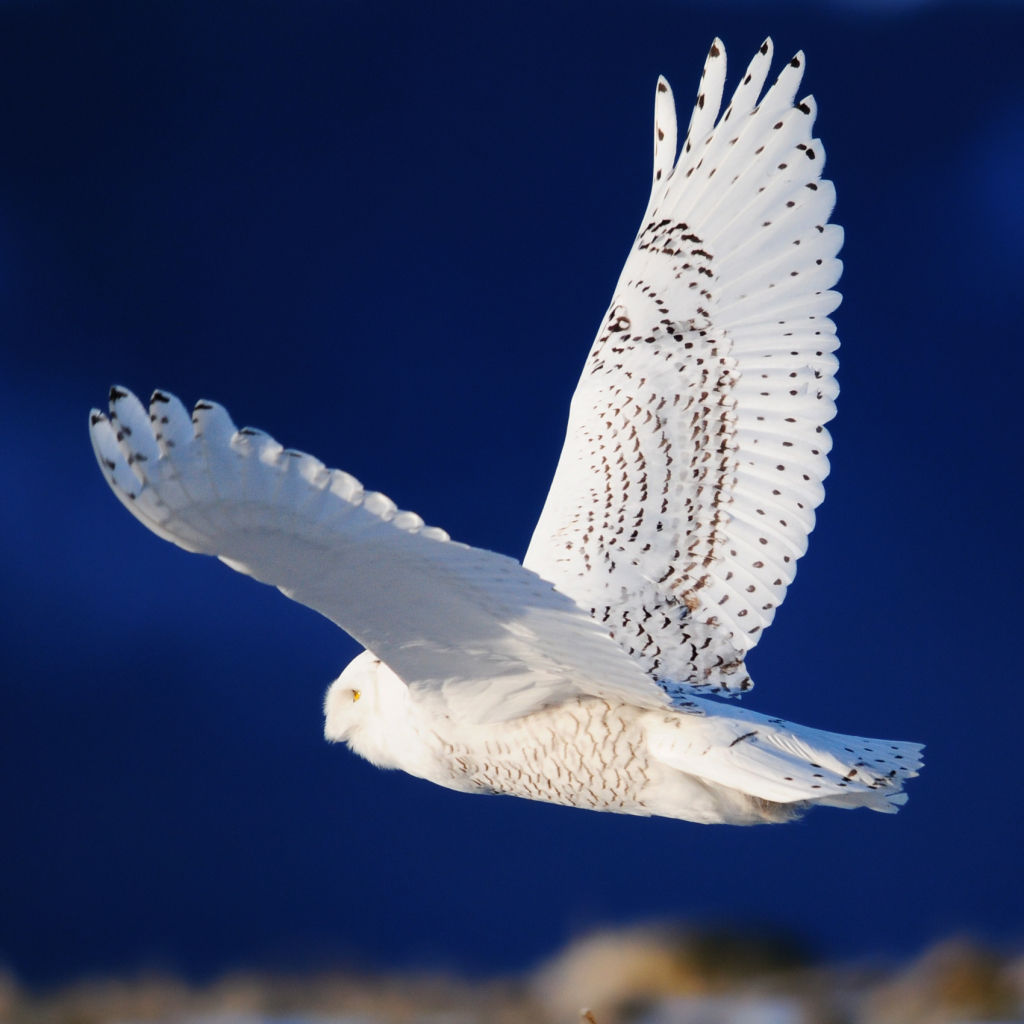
column 693, row 462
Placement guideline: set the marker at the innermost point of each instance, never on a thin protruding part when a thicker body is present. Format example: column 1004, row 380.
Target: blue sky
column 386, row 234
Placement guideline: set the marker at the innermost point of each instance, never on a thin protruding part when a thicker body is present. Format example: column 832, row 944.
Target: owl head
column 368, row 708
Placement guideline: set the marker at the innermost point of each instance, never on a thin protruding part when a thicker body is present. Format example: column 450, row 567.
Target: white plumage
column 693, row 462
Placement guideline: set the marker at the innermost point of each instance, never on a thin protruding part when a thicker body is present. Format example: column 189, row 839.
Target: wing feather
column 696, row 447
column 470, row 629
column 706, row 106
column 665, row 141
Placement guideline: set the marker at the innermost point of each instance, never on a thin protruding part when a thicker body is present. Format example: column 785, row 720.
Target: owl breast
column 586, row 753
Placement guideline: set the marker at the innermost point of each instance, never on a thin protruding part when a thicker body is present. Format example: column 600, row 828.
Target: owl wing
column 696, row 447
column 472, row 630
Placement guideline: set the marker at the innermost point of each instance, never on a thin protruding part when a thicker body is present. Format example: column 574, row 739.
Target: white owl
column 692, row 465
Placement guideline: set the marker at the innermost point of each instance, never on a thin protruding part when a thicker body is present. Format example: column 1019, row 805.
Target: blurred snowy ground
column 645, row 975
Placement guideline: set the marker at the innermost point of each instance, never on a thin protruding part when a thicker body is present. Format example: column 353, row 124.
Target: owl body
column 600, row 754
column 586, row 752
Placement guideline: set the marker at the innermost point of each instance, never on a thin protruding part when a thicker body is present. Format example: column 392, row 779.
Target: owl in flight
column 591, row 674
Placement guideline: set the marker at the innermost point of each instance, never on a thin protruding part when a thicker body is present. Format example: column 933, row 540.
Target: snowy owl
column 591, row 674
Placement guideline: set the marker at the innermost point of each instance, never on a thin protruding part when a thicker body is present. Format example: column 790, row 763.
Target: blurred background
column 386, row 233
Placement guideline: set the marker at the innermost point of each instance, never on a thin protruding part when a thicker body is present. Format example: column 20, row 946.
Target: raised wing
column 469, row 628
column 696, row 446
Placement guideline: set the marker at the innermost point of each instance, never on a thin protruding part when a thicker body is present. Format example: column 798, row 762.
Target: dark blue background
column 386, row 233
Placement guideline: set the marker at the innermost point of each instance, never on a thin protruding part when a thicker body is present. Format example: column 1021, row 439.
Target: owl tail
column 777, row 761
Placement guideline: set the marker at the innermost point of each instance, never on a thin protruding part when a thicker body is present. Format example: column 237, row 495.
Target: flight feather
column 696, row 445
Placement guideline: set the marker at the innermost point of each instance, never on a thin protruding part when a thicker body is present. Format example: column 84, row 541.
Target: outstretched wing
column 469, row 628
column 696, row 447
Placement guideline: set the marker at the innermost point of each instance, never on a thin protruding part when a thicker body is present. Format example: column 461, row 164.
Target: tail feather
column 782, row 762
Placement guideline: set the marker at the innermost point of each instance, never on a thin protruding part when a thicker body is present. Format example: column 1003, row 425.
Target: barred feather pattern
column 696, row 447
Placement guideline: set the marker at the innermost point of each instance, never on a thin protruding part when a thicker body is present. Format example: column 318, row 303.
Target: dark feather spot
column 745, row 736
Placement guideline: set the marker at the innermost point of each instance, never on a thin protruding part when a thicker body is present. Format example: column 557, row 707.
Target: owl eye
column 356, row 694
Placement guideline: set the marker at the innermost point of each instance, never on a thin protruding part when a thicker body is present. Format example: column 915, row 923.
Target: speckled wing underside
column 696, row 446
column 471, row 630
